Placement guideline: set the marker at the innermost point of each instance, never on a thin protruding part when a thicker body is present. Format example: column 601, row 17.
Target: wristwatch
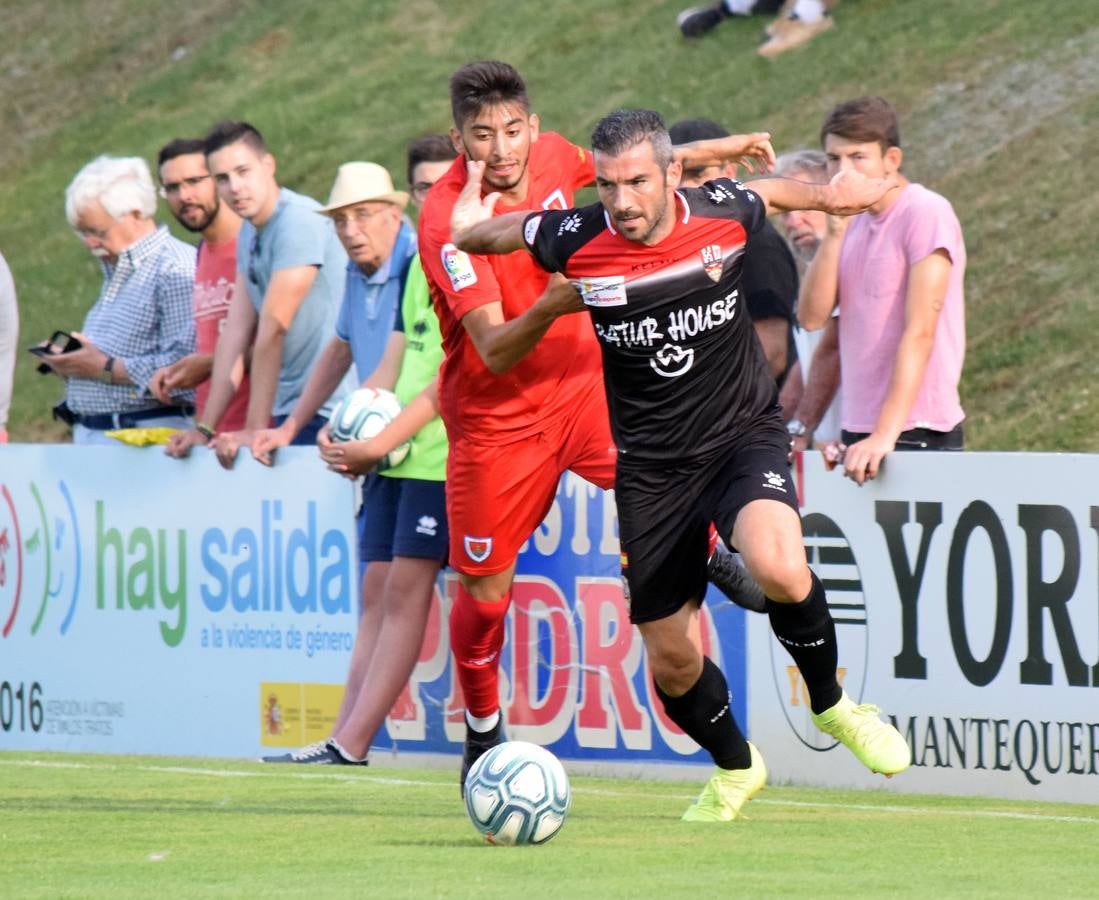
column 796, row 428
column 108, row 370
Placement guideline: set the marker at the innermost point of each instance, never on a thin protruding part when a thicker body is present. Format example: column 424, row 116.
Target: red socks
column 476, row 637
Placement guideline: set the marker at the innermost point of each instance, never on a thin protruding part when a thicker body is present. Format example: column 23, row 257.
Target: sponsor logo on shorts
column 712, row 261
column 477, row 548
column 530, row 230
column 428, row 525
column 774, row 481
column 606, row 291
column 458, row 267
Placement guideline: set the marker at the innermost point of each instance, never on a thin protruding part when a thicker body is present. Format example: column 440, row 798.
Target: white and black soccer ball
column 364, row 413
column 517, row 793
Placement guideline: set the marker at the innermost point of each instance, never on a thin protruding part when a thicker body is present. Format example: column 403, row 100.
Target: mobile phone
column 60, row 342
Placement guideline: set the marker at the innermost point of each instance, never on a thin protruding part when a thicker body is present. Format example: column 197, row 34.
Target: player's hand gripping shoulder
column 850, row 192
column 473, row 227
column 752, row 151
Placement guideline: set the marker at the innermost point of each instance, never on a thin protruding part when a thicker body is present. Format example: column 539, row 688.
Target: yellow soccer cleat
column 727, row 791
column 876, row 744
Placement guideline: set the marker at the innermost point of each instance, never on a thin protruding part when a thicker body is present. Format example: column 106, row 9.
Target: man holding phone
column 141, row 320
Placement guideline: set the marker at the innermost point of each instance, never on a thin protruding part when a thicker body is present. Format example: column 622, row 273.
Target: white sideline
column 360, row 776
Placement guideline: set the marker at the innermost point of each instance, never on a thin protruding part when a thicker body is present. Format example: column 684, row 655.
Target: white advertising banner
column 139, row 597
column 965, row 589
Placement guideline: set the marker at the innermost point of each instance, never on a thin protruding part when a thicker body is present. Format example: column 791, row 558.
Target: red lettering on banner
column 611, row 657
column 454, row 715
column 407, row 719
column 542, row 637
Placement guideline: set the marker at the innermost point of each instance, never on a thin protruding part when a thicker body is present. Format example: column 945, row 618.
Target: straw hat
column 358, row 182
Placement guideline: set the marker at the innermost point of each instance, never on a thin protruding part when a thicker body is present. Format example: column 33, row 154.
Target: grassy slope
column 84, row 826
column 999, row 104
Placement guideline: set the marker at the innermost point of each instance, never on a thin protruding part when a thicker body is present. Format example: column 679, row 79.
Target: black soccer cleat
column 734, row 581
column 322, row 753
column 477, row 744
column 697, row 20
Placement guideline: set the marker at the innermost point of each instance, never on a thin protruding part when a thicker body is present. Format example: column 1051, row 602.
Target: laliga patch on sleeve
column 458, row 267
column 530, row 230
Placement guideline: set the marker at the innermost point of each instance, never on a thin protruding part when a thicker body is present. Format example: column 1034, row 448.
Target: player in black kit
column 695, row 416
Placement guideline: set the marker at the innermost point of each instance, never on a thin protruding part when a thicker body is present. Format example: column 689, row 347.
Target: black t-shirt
column 683, row 370
column 769, row 283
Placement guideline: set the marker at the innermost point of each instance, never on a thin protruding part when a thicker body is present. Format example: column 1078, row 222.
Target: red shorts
column 496, row 495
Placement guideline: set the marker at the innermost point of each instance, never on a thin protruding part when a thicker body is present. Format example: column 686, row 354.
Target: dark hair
column 179, row 147
column 429, row 148
column 864, row 120
column 229, row 132
column 487, row 83
column 687, row 131
column 626, row 128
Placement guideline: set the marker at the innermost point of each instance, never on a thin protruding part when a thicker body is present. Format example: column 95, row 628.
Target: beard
column 203, row 221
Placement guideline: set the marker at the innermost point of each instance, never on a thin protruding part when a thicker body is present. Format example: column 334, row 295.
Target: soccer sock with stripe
column 705, row 713
column 476, row 637
column 808, row 633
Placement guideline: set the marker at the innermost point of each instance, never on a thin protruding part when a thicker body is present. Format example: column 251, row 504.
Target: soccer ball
column 517, row 793
column 364, row 413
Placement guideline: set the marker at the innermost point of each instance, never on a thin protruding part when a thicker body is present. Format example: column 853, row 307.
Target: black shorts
column 403, row 517
column 664, row 515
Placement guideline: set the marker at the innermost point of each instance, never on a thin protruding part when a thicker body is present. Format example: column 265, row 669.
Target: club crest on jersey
column 712, row 261
column 605, row 291
column 458, row 267
column 477, row 549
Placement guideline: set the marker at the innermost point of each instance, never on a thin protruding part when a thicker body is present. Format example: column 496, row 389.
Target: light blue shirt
column 294, row 236
column 369, row 306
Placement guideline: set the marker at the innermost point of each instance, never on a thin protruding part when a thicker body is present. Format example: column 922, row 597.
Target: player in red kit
column 520, row 388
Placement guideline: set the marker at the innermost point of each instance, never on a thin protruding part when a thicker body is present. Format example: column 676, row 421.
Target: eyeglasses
column 98, row 234
column 361, row 216
column 174, row 187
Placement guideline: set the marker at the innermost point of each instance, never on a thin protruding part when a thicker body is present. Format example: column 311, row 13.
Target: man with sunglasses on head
column 188, row 188
column 290, row 267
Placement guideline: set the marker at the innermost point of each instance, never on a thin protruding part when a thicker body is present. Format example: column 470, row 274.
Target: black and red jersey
column 683, row 370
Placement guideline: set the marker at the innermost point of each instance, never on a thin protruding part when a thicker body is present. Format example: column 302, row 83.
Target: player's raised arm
column 473, row 227
column 849, row 192
column 753, row 151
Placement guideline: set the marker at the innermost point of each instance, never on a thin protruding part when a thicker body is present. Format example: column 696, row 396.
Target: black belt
column 113, row 421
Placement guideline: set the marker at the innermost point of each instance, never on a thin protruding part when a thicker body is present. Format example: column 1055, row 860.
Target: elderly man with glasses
column 141, row 320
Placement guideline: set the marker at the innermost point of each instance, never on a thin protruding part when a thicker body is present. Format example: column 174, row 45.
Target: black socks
column 705, row 713
column 808, row 633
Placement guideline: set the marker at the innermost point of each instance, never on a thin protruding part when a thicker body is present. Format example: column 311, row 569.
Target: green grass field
column 999, row 105
column 98, row 826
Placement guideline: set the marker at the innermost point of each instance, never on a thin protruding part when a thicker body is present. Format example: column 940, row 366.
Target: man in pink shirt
column 896, row 272
column 189, row 189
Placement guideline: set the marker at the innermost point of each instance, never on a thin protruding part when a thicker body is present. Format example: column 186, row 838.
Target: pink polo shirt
column 875, row 257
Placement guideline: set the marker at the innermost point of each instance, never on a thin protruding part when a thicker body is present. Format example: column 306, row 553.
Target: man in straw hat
column 290, row 280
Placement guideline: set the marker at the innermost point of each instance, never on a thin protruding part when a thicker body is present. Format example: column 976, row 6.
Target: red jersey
column 215, row 277
column 560, row 369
